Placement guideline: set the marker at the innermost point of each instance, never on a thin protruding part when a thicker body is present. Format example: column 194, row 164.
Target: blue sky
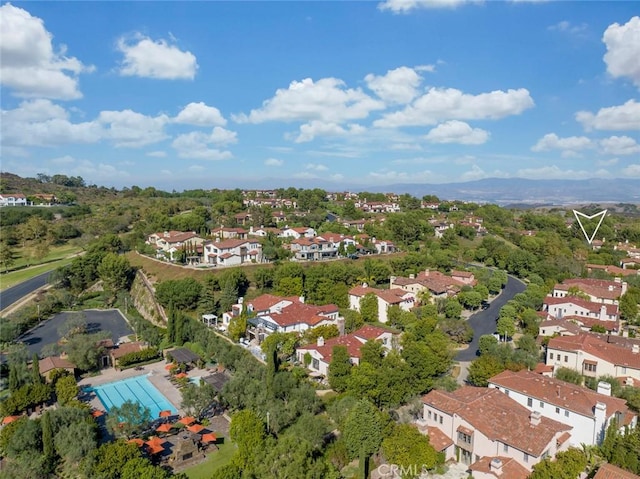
column 225, row 94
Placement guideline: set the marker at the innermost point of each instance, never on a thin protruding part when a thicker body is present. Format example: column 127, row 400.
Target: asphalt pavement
column 96, row 320
column 484, row 322
column 17, row 292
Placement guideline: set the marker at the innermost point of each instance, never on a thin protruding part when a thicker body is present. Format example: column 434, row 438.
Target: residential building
column 125, row 348
column 485, row 423
column 630, row 263
column 13, row 199
column 168, row 243
column 593, row 356
column 498, row 467
column 383, row 246
column 612, row 270
column 313, row 249
column 223, row 233
column 598, row 290
column 233, row 252
column 582, row 308
column 298, row 233
column 559, row 327
column 386, row 298
column 49, row 364
column 356, row 224
column 588, row 412
column 322, row 351
column 438, row 284
column 609, row 471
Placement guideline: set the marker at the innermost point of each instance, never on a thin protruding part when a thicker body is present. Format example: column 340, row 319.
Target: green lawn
column 217, row 459
column 11, row 279
column 55, row 253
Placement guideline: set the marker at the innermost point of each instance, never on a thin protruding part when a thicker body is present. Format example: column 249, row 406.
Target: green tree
column 487, row 343
column 628, row 307
column 452, row 308
column 483, row 368
column 369, row 308
column 339, row 368
column 83, row 351
column 116, row 273
column 75, row 441
column 111, row 457
column 184, row 293
column 410, row 450
column 197, row 398
column 128, row 419
column 506, row 327
column 569, row 375
column 47, row 441
column 362, row 431
column 66, row 390
column 142, row 468
column 248, row 432
column 7, row 255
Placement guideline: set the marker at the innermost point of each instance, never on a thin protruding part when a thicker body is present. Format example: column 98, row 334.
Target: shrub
column 136, row 357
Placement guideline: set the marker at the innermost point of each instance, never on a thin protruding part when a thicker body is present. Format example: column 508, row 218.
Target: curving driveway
column 484, row 322
column 11, row 295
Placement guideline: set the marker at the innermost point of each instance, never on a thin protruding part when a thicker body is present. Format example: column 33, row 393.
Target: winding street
column 484, row 322
column 20, row 290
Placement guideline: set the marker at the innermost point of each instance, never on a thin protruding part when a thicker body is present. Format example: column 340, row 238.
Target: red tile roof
column 176, row 236
column 353, row 342
column 391, row 296
column 594, row 287
column 265, row 302
column 300, row 313
column 438, row 439
column 591, row 306
column 127, row 348
column 53, row 362
column 230, row 243
column 498, row 417
column 609, row 471
column 588, row 343
column 559, row 393
column 511, row 469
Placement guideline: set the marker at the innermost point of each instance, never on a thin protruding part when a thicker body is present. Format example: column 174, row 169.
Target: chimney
column 301, row 299
column 320, row 341
column 166, row 234
column 635, row 349
column 365, row 285
column 617, row 279
column 496, row 466
column 624, row 288
column 603, row 313
column 604, row 388
column 426, row 272
column 340, row 324
column 392, row 279
column 534, row 417
column 412, row 276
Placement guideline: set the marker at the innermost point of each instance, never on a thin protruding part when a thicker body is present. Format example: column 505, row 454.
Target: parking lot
column 45, row 333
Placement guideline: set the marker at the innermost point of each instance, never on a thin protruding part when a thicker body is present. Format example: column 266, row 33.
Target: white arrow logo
column 577, row 214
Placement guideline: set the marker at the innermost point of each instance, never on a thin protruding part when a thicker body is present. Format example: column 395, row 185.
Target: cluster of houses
column 236, row 246
column 19, row 199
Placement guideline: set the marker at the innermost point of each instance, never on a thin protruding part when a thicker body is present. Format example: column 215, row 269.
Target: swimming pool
column 137, row 389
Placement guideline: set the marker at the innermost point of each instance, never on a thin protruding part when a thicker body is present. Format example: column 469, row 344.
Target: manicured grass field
column 217, row 459
column 55, row 253
column 11, row 279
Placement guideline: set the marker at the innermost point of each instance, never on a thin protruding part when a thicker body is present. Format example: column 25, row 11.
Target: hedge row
column 138, row 357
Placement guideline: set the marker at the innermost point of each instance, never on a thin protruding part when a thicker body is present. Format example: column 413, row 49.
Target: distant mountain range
column 523, row 191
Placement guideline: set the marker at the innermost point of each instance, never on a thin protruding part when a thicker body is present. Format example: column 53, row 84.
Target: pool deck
column 157, row 376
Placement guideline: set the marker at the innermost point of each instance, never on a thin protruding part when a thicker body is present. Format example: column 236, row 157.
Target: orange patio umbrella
column 155, row 449
column 196, row 428
column 137, row 441
column 155, row 444
column 170, row 366
column 97, row 413
column 181, row 375
column 209, row 437
column 165, row 413
column 187, row 420
column 164, row 427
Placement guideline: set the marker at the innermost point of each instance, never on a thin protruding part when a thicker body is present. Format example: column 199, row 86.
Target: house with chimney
column 612, row 270
column 588, row 412
column 584, row 312
column 598, row 290
column 313, row 249
column 405, row 300
column 486, row 426
column 594, row 356
column 233, row 252
column 438, row 284
column 168, row 243
column 321, row 352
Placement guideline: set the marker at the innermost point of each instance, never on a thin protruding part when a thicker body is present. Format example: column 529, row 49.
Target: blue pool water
column 195, row 380
column 137, row 389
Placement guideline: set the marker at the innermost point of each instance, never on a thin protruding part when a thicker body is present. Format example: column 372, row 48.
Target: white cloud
column 632, row 170
column 404, row 6
column 196, row 145
column 305, row 175
column 326, row 100
column 196, row 168
column 449, row 103
column 570, row 146
column 623, row 50
column 316, row 167
column 553, row 172
column 427, row 68
column 63, row 160
column 42, row 123
column 619, row 145
column 128, row 128
column 144, row 57
column 157, row 154
column 30, row 66
column 610, row 162
column 455, row 131
column 567, row 27
column 309, row 131
column 396, row 86
column 221, row 136
column 621, row 117
column 273, row 162
column 391, row 176
column 199, row 114
column 337, row 177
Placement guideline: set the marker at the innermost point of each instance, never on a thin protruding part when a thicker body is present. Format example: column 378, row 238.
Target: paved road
column 484, row 322
column 96, row 320
column 17, row 292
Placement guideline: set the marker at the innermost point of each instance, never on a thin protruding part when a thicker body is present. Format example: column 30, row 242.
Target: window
column 526, row 457
column 462, row 437
column 506, row 391
column 566, row 359
column 429, row 415
column 440, row 418
column 566, row 413
column 623, row 370
column 529, row 402
column 505, row 447
column 315, row 364
column 590, row 367
column 550, row 354
column 541, row 405
column 557, row 410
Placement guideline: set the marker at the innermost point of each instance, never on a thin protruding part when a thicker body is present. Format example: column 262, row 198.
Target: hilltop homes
column 283, row 315
column 583, row 312
column 322, row 351
column 386, row 298
column 170, row 242
column 438, row 284
column 598, row 290
column 233, row 252
column 485, row 427
column 13, row 199
column 594, row 356
column 587, row 412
